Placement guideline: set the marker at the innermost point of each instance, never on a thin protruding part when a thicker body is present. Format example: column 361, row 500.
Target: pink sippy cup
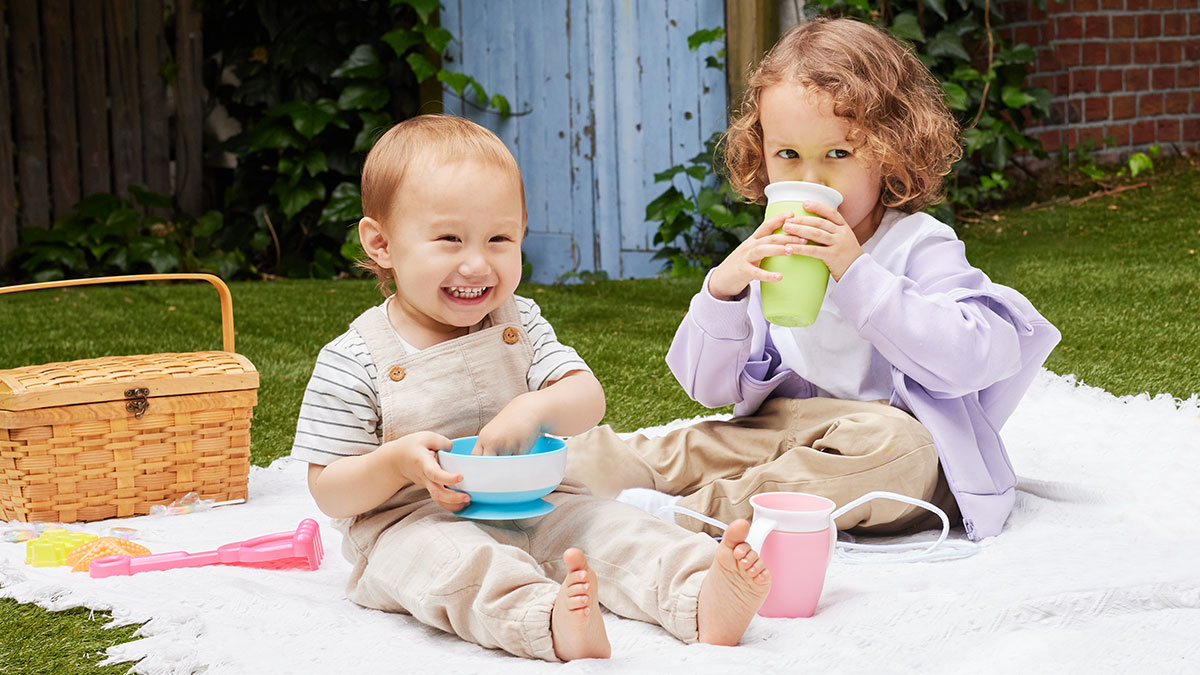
column 795, row 536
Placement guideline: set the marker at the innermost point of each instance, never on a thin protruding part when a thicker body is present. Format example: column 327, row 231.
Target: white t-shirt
column 830, row 354
column 339, row 415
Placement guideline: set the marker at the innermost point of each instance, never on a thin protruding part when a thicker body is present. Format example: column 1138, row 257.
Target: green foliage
column 106, row 235
column 314, row 85
column 1082, row 159
column 696, row 230
column 983, row 84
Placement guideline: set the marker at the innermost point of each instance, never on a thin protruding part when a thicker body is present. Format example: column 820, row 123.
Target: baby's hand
column 417, row 460
column 839, row 246
column 742, row 265
column 513, row 431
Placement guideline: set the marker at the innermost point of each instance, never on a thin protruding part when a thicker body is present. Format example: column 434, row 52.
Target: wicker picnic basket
column 111, row 437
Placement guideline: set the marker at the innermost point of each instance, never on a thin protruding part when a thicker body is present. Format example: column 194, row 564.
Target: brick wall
column 1126, row 69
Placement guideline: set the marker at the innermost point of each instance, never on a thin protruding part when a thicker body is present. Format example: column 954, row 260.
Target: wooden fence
column 89, row 88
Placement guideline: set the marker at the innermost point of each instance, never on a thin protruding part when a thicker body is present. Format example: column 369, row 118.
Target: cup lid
column 794, row 511
column 798, row 191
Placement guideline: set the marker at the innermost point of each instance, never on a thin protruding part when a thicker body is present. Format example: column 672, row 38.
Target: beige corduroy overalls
column 494, row 582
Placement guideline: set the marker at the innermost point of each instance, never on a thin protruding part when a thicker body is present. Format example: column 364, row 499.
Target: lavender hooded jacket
column 963, row 350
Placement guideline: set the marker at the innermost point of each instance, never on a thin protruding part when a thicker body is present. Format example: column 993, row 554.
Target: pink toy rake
column 283, row 550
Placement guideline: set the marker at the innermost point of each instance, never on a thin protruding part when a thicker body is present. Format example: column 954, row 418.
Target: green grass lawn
column 1120, row 276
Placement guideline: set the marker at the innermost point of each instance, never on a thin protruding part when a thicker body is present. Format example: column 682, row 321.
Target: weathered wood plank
column 627, row 51
column 91, row 97
column 189, row 158
column 31, row 122
column 120, row 27
column 152, row 53
column 752, row 27
column 582, row 137
column 59, row 58
column 8, row 186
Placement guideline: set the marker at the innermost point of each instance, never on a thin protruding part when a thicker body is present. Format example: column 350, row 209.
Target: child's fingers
column 825, row 211
column 771, row 224
column 756, row 256
column 449, row 499
column 798, row 226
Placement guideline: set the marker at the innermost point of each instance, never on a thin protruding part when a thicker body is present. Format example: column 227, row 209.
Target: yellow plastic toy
column 81, row 558
column 52, row 547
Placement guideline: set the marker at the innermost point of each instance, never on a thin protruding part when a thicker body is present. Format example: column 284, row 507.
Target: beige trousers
column 829, row 447
column 494, row 582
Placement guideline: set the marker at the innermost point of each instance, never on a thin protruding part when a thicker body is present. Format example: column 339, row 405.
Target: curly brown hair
column 408, row 150
column 892, row 101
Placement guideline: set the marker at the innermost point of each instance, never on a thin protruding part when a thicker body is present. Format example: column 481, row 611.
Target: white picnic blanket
column 1096, row 571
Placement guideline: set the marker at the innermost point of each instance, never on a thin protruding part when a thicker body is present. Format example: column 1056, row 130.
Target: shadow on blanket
column 1094, row 570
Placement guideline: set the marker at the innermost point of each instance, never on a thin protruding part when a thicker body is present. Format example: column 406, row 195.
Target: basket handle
column 222, row 291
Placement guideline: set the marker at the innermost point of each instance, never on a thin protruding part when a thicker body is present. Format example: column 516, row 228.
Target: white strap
column 938, row 550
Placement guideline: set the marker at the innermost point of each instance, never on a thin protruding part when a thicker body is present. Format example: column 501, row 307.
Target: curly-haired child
column 916, row 358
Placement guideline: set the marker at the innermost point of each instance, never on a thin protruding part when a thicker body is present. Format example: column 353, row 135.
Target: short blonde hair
column 404, row 151
column 892, row 101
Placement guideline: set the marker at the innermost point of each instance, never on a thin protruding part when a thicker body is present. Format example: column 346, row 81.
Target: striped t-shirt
column 339, row 415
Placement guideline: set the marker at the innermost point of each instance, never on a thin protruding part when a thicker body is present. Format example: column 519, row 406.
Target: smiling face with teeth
column 453, row 242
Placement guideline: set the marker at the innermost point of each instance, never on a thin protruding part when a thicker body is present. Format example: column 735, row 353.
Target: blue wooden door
column 608, row 94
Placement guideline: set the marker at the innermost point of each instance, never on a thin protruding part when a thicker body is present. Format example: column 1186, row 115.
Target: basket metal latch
column 137, row 403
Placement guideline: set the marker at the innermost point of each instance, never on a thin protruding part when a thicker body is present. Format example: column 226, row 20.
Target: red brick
column 1162, row 4
column 1143, row 133
column 1133, row 5
column 1086, row 5
column 1119, row 134
column 1047, row 60
column 1096, row 134
column 1196, row 102
column 1035, row 13
column 1194, row 23
column 1149, row 25
column 1095, row 53
column 1176, row 102
column 1062, row 84
column 1124, row 27
column 1083, row 79
column 1110, row 80
column 1187, row 4
column 1191, row 129
column 1068, row 54
column 1050, row 139
column 1068, row 27
column 1163, row 78
column 1014, row 12
column 1188, row 76
column 1145, row 52
column 1137, row 79
column 1119, row 53
column 1170, row 52
column 1096, row 109
column 1112, row 4
column 1191, row 50
column 1175, row 24
column 1124, row 107
column 1074, row 111
column 1030, row 35
column 1095, row 26
column 1150, row 105
column 1167, row 130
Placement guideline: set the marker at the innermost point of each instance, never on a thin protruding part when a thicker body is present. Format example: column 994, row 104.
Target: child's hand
column 839, row 245
column 741, row 266
column 513, row 431
column 416, row 458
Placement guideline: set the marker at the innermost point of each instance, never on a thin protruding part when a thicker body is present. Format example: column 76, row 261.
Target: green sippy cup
column 795, row 299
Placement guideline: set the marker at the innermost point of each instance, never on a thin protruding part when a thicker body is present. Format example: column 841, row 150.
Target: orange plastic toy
column 80, row 558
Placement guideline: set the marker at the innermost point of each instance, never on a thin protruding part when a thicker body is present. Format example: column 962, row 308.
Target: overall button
column 511, row 336
column 396, row 373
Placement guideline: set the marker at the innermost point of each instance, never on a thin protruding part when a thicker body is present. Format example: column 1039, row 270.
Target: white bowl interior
column 505, row 479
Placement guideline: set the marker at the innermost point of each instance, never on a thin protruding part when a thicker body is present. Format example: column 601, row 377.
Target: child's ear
column 374, row 242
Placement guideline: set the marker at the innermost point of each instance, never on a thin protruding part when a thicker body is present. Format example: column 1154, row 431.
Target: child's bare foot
column 734, row 588
column 575, row 622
